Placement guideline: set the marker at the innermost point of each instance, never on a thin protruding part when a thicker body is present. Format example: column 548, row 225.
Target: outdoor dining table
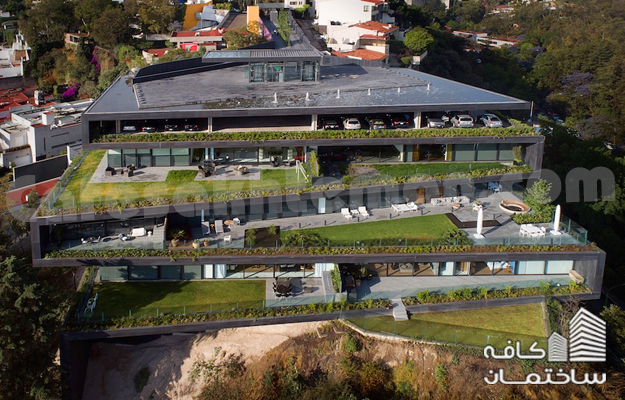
column 283, row 286
column 229, row 222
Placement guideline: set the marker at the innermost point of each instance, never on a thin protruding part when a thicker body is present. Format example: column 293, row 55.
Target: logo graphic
column 557, row 346
column 587, row 338
column 587, row 343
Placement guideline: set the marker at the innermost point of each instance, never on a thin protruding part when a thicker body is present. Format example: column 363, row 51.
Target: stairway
column 399, row 310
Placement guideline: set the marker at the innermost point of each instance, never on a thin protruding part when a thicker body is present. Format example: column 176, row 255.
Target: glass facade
column 284, row 71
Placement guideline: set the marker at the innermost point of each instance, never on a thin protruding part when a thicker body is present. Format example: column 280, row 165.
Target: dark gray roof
column 227, row 89
column 260, row 55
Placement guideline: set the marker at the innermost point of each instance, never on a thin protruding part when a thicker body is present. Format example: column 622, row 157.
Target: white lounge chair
column 206, row 228
column 362, row 210
column 345, row 212
column 219, row 226
column 228, row 239
column 413, row 206
column 138, row 232
column 236, row 221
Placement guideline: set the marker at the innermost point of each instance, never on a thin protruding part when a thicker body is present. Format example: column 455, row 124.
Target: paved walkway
column 396, row 287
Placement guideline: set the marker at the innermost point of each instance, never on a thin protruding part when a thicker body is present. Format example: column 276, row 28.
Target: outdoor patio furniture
column 345, row 212
column 400, row 208
column 237, row 221
column 241, row 170
column 206, row 228
column 219, row 226
column 412, row 206
column 406, row 268
column 362, row 210
column 109, row 171
column 131, row 172
column 229, row 222
column 354, row 213
column 84, row 241
column 228, row 239
column 138, row 232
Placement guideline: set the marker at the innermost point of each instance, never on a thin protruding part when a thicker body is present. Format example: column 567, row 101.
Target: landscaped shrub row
column 200, row 252
column 516, row 130
column 224, row 197
column 248, row 313
column 425, row 297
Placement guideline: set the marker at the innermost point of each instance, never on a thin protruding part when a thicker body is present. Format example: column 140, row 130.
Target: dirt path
column 113, row 367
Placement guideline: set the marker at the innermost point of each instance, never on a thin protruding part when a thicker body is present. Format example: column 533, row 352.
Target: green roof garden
column 517, row 129
column 82, row 194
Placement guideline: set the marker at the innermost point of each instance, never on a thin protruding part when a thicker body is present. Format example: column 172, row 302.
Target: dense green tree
column 88, row 11
column 154, row 15
column 112, row 27
column 30, row 314
column 244, row 36
column 48, row 21
column 418, row 40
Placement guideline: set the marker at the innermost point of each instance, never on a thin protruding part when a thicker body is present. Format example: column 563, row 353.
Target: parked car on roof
column 330, row 124
column 190, row 127
column 462, row 121
column 447, row 117
column 351, row 123
column 149, row 129
column 376, row 123
column 170, row 126
column 399, row 120
column 435, row 123
column 491, row 121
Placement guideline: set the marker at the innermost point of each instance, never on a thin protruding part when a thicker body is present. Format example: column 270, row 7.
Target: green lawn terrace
column 123, row 299
column 89, row 189
column 482, row 327
column 428, row 225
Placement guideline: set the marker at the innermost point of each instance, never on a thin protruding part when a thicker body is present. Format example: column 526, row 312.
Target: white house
column 38, row 133
column 12, row 57
column 370, row 35
column 348, row 12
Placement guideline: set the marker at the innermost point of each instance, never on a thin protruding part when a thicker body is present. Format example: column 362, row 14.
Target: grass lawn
column 115, row 299
column 415, row 228
column 407, row 170
column 179, row 184
column 472, row 327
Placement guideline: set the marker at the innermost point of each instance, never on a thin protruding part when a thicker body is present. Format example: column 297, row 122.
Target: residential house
column 38, row 133
column 211, row 39
column 371, row 36
column 349, row 12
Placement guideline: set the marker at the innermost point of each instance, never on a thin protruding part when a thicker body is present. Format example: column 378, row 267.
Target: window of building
column 114, row 158
column 161, row 157
column 192, row 272
column 170, row 272
column 181, row 156
column 143, row 272
column 365, row 8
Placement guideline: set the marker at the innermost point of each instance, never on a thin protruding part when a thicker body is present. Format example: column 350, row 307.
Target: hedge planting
column 248, row 313
column 515, row 130
column 174, row 254
column 468, row 294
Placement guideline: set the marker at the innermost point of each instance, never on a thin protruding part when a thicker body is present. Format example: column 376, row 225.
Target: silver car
column 491, row 121
column 462, row 121
column 351, row 123
column 435, row 123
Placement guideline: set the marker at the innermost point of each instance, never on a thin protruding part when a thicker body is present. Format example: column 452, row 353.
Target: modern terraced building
column 218, row 168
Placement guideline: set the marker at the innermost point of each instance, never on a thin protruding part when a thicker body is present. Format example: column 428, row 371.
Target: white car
column 491, row 121
column 351, row 123
column 462, row 121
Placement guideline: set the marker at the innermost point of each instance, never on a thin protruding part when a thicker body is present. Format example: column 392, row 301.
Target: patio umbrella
column 556, row 221
column 480, row 223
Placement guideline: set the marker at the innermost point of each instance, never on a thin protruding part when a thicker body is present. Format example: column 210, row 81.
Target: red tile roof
column 361, row 54
column 158, row 52
column 377, row 26
column 213, row 32
column 376, row 2
column 374, row 36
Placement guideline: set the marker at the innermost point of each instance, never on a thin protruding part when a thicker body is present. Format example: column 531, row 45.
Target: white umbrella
column 480, row 223
column 556, row 221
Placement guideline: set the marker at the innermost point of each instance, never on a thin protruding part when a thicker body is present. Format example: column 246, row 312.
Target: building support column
column 210, row 124
column 313, row 123
column 417, row 119
column 118, row 126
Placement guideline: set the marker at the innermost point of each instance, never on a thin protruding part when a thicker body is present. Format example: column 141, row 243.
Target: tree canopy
column 418, row 40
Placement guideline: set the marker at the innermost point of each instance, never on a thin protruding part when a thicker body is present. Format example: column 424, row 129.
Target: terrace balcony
column 428, row 225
